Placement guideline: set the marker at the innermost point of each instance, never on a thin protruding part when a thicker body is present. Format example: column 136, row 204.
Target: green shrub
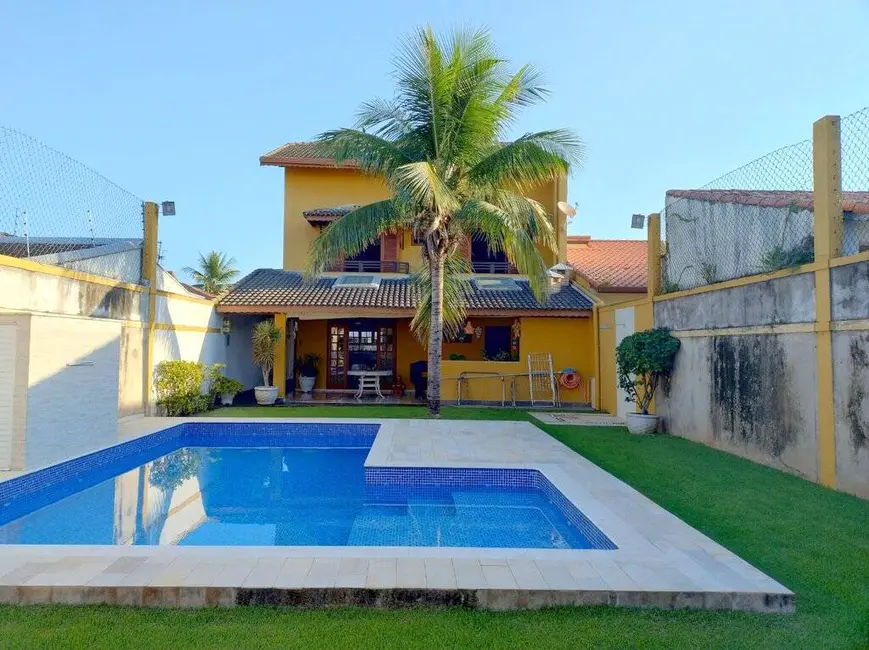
column 781, row 258
column 457, row 357
column 179, row 387
column 220, row 384
column 308, row 364
column 643, row 359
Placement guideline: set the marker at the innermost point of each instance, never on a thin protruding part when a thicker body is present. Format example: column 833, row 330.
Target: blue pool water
column 309, row 490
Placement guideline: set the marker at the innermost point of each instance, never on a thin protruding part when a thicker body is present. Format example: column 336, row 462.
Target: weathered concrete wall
column 753, row 395
column 24, row 290
column 716, row 241
column 782, row 300
column 849, row 291
column 851, row 395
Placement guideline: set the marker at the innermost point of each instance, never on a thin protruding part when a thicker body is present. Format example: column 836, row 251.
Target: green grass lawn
column 813, row 540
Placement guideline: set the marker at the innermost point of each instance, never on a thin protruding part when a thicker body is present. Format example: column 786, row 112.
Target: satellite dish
column 566, row 209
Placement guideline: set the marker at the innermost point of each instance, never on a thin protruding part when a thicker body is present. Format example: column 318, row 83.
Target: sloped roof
column 855, row 202
column 610, row 265
column 275, row 288
column 23, row 249
column 300, row 154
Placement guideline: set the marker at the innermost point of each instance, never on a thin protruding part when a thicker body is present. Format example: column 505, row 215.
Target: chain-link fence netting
column 756, row 219
column 55, row 210
column 855, row 182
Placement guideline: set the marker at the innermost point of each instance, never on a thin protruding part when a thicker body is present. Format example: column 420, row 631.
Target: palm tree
column 439, row 146
column 215, row 273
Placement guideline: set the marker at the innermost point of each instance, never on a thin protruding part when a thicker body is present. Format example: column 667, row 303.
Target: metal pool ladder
column 541, row 379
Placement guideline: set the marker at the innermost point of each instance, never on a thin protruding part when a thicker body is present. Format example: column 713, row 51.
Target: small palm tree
column 264, row 347
column 439, row 145
column 215, row 273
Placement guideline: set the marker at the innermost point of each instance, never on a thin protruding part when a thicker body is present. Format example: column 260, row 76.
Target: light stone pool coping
column 660, row 560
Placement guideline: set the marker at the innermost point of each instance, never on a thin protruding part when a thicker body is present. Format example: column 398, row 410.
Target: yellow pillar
column 150, row 214
column 560, row 221
column 827, row 166
column 595, row 323
column 280, row 370
column 654, row 254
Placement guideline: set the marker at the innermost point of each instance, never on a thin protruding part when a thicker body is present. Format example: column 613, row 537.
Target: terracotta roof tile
column 300, row 154
column 278, row 288
column 855, row 202
column 613, row 265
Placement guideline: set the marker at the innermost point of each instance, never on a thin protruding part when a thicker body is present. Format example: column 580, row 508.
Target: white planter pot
column 640, row 424
column 226, row 399
column 266, row 395
column 307, row 383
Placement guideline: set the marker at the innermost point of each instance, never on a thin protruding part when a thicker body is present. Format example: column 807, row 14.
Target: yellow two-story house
column 357, row 317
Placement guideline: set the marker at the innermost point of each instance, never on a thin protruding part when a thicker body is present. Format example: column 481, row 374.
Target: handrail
column 479, row 374
column 490, row 267
column 374, row 266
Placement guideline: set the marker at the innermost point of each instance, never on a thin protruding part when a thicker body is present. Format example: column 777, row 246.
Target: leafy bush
column 265, row 339
column 179, row 387
column 226, row 386
column 643, row 359
column 780, row 258
column 308, row 364
column 457, row 357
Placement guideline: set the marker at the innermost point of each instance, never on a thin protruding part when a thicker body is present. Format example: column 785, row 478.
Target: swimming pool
column 277, row 484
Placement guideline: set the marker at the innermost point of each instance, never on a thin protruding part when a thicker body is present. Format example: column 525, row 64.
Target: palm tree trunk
column 436, row 334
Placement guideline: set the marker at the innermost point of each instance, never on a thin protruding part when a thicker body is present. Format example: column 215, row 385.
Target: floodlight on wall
column 638, row 221
column 168, row 208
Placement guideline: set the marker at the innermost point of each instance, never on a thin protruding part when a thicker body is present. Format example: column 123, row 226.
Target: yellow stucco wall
column 612, row 298
column 308, row 188
column 312, row 337
column 569, row 340
column 607, row 340
column 305, row 189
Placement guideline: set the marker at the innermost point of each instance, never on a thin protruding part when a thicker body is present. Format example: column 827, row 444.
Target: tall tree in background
column 440, row 146
column 215, row 271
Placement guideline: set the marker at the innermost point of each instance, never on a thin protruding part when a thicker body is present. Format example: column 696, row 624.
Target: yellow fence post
column 280, row 369
column 654, row 255
column 595, row 323
column 150, row 214
column 827, row 176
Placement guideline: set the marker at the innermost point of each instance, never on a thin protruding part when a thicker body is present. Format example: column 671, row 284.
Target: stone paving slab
column 660, row 561
column 579, row 419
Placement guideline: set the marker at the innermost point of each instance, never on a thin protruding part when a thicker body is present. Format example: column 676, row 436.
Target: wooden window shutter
column 389, row 247
column 465, row 248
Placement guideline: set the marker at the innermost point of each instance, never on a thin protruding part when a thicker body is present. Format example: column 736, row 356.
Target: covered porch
column 358, row 324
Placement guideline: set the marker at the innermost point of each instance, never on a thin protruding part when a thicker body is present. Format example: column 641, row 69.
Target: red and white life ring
column 570, row 379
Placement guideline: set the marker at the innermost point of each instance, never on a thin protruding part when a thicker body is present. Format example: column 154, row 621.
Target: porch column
column 280, row 369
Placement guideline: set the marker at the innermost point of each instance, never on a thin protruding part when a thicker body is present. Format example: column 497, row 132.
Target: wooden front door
column 361, row 344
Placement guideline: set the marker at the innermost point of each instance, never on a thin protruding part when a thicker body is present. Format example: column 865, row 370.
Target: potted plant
column 643, row 360
column 227, row 388
column 265, row 340
column 308, row 366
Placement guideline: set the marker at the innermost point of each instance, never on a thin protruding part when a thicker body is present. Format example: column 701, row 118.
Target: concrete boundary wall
column 747, row 377
column 180, row 326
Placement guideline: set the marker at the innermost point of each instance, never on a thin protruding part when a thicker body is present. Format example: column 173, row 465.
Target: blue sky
column 178, row 100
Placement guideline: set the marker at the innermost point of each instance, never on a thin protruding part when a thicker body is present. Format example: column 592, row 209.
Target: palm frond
column 352, row 233
column 420, row 180
column 456, row 286
column 530, row 161
column 374, row 154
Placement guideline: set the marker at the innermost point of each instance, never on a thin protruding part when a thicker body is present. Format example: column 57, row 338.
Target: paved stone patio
column 580, row 419
column 660, row 561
